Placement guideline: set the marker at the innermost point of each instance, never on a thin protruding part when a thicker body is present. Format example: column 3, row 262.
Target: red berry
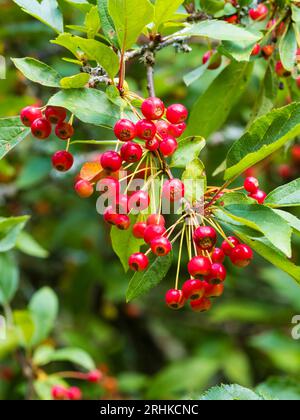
column 30, row 114
column 218, row 274
column 153, row 108
column 251, row 184
column 199, row 267
column 152, row 144
column 175, row 299
column 177, row 113
column 110, row 216
column 121, row 204
column 111, row 161
column 139, row 201
column 145, row 129
column 214, row 59
column 109, row 186
column 298, row 82
column 84, row 188
column 176, row 130
column 259, row 13
column 64, row 130
column 227, row 248
column 41, row 128
column 281, row 71
column 256, row 50
column 59, row 392
column 194, row 289
column 267, row 51
column 232, row 19
column 173, row 190
column 162, row 128
column 94, row 376
column 205, row 237
column 74, row 393
column 218, row 255
column 215, row 290
column 152, row 232
column 55, row 114
column 125, row 130
column 122, row 222
column 296, row 154
column 259, row 196
column 156, row 219
column 138, row 262
column 161, row 246
column 139, row 230
column 241, row 255
column 62, row 160
column 131, row 152
column 201, row 305
column 168, row 146
column 285, row 171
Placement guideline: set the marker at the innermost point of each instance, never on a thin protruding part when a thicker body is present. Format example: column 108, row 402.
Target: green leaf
column 194, row 75
column 194, row 178
column 37, row 71
column 75, row 82
column 266, row 135
column 92, row 22
column 24, row 327
column 189, row 149
column 124, row 243
column 144, row 281
column 101, row 53
column 107, row 23
column 287, row 195
column 43, row 386
column 45, row 355
column 218, row 100
column 88, row 105
column 67, row 41
column 292, row 220
column 212, row 6
column 282, row 389
column 12, row 132
column 164, row 10
column 28, row 245
column 130, row 18
column 267, row 95
column 46, row 11
column 231, row 393
column 239, row 51
column 43, row 308
column 10, row 229
column 82, row 5
column 9, row 278
column 265, row 220
column 288, row 48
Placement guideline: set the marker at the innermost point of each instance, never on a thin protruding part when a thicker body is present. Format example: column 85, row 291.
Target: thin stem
column 179, row 258
column 150, row 79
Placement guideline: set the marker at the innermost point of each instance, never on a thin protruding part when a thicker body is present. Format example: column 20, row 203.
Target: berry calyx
column 205, row 237
column 94, row 376
column 138, row 262
column 259, row 13
column 218, row 274
column 125, row 130
column 55, row 114
column 177, row 113
column 259, row 196
column 84, row 188
column 131, row 152
column 156, row 219
column 139, row 201
column 241, row 255
column 30, row 114
column 62, row 161
column 168, row 146
column 41, row 128
column 173, row 190
column 145, row 129
column 161, row 246
column 175, row 299
column 218, row 255
column 199, row 267
column 138, row 230
column 194, row 289
column 201, row 305
column 251, row 184
column 153, row 108
column 152, row 232
column 227, row 248
column 111, row 161
column 64, row 130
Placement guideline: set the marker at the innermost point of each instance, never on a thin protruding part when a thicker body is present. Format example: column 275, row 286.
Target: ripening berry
column 259, row 196
column 145, row 129
column 111, row 161
column 176, row 130
column 175, row 299
column 194, row 289
column 131, row 152
column 139, row 201
column 62, row 161
column 30, row 114
column 161, row 246
column 173, row 190
column 152, row 232
column 201, row 305
column 152, row 144
column 74, row 393
column 84, row 188
column 162, row 128
column 168, row 146
column 125, row 130
column 156, row 219
column 241, row 255
column 218, row 274
column 259, row 13
column 267, row 51
column 295, row 152
column 64, row 130
column 256, row 50
column 199, row 267
column 109, row 186
column 214, row 59
column 177, row 113
column 218, row 256
column 205, row 237
column 139, row 230
column 59, row 392
column 251, row 184
column 122, row 222
column 55, row 114
column 41, row 128
column 153, row 108
column 215, row 290
column 227, row 248
column 138, row 262
column 94, row 376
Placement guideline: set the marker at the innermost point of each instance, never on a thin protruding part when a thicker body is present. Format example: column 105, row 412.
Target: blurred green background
column 147, row 350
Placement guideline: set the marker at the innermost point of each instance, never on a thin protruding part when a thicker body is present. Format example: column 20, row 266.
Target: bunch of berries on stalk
column 74, row 393
column 41, row 120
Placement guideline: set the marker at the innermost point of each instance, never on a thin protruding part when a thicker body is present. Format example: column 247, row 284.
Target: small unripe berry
column 152, row 232
column 251, row 184
column 139, row 230
column 259, row 13
column 259, row 196
column 173, row 190
column 227, row 248
column 161, row 246
column 55, row 114
column 74, row 393
column 138, row 262
column 194, row 289
column 218, row 274
column 177, row 113
column 111, row 161
column 241, row 255
column 153, row 108
column 139, row 201
column 156, row 219
column 94, row 376
column 168, row 146
column 205, row 237
column 125, row 130
column 175, row 299
column 84, row 188
column 62, row 161
column 64, row 130
column 199, row 267
column 131, row 152
column 201, row 305
column 145, row 129
column 218, row 255
column 41, row 128
column 30, row 114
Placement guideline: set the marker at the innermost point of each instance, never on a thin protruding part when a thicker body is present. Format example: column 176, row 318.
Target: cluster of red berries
column 40, row 121
column 251, row 185
column 74, row 393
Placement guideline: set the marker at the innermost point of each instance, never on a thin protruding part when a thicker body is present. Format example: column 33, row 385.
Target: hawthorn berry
column 110, row 216
column 218, row 255
column 153, row 108
column 111, row 161
column 168, row 146
column 41, row 128
column 201, row 305
column 267, row 51
column 64, row 130
column 218, row 274
column 84, row 188
column 109, row 186
column 251, row 184
column 285, row 171
column 59, row 392
column 122, row 222
column 296, row 153
column 214, row 59
column 152, row 232
column 194, row 289
column 176, row 130
column 161, row 246
column 256, row 50
column 152, row 144
column 162, row 128
column 55, row 114
column 173, row 190
column 62, row 161
column 232, row 19
column 227, row 248
column 175, row 299
column 215, row 290
column 205, row 237
column 280, row 70
column 74, row 393
column 199, row 267
column 241, row 255
column 259, row 13
column 125, row 130
column 131, row 152
column 138, row 230
column 156, row 219
column 94, row 376
column 30, row 114
column 138, row 262
column 177, row 113
column 139, row 201
column 259, row 196
column 145, row 129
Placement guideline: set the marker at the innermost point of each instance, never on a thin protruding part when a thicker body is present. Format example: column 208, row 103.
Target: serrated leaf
column 287, row 195
column 45, row 355
column 37, row 72
column 189, row 149
column 288, row 48
column 12, row 132
column 75, row 82
column 144, row 281
column 9, row 278
column 164, row 10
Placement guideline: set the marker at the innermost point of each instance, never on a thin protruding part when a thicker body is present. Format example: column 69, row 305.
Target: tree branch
column 150, row 79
